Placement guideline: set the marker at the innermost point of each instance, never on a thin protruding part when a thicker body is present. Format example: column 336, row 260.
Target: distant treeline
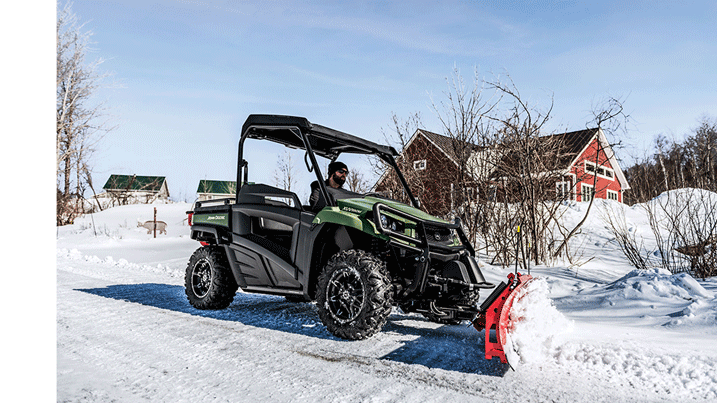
column 691, row 163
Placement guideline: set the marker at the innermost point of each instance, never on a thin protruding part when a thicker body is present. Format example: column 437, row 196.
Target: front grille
column 440, row 235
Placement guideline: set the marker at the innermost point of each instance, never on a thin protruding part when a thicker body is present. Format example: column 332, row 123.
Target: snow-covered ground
column 600, row 332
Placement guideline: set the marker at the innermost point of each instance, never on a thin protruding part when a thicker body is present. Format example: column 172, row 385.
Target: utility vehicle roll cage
column 297, row 132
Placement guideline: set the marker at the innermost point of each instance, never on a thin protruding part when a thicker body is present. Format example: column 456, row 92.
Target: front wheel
column 354, row 296
column 208, row 281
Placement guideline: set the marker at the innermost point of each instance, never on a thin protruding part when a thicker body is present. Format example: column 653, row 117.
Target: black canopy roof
column 324, row 141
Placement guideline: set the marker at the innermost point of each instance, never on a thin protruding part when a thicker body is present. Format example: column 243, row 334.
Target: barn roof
column 217, row 187
column 570, row 144
column 445, row 144
column 135, row 182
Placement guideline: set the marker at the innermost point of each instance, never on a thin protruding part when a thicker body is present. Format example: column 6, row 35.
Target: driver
column 336, row 178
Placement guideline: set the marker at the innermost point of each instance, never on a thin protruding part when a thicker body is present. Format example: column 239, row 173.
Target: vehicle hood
column 363, row 205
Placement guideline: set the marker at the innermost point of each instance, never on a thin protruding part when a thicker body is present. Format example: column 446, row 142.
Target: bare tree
column 80, row 123
column 684, row 223
column 285, row 175
column 399, row 136
column 702, row 146
column 357, row 182
column 530, row 166
column 677, row 164
column 504, row 171
column 626, row 238
column 502, row 174
column 463, row 116
column 609, row 117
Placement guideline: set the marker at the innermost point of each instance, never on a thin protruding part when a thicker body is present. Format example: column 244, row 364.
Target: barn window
column 562, row 190
column 588, row 192
column 611, row 195
column 419, row 165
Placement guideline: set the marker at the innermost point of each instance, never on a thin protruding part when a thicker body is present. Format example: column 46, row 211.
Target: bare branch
column 80, row 123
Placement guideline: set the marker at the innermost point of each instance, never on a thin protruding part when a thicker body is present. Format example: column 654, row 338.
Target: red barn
column 431, row 161
column 591, row 169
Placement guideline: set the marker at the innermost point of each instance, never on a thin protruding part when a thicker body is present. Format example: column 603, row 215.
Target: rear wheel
column 208, row 281
column 354, row 295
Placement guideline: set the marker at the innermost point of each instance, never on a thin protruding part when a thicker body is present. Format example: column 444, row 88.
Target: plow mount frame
column 495, row 315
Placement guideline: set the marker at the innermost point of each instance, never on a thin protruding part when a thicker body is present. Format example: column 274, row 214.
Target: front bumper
column 438, row 262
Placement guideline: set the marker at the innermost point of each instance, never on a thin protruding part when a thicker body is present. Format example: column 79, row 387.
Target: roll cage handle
column 310, row 153
column 392, row 162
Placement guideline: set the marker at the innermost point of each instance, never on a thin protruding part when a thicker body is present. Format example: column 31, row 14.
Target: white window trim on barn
column 612, row 195
column 419, row 165
column 602, row 171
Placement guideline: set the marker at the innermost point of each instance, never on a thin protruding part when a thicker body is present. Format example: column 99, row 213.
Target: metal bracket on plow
column 495, row 315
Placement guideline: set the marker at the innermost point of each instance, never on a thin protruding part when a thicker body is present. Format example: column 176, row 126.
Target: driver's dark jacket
column 316, row 200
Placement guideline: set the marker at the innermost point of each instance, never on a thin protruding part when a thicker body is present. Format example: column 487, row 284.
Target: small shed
column 214, row 189
column 136, row 189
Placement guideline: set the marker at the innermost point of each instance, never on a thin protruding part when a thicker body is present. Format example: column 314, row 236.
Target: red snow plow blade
column 495, row 315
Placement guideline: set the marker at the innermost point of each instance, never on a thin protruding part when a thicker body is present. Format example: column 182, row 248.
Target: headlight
column 392, row 224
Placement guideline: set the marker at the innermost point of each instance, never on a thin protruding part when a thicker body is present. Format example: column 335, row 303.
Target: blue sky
column 191, row 71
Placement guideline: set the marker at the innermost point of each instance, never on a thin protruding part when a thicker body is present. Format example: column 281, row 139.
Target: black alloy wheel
column 345, row 294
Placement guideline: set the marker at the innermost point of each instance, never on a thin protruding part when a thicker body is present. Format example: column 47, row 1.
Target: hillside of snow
column 597, row 332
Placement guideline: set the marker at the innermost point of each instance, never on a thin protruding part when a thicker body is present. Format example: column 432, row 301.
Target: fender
column 335, row 215
column 209, row 234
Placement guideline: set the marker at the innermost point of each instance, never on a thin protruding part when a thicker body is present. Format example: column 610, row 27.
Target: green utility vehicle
column 357, row 258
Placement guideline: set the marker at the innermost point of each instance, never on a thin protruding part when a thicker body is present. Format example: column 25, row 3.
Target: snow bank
column 109, row 262
column 658, row 283
column 675, row 198
column 692, row 211
column 537, row 324
column 652, row 297
column 697, row 313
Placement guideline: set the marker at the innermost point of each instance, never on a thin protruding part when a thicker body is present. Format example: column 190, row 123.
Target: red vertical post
column 155, row 222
